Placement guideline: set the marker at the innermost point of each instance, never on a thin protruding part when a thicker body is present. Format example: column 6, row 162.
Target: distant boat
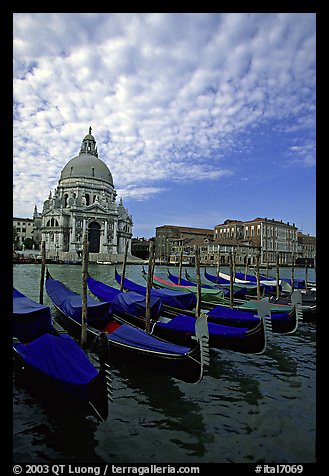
column 67, row 261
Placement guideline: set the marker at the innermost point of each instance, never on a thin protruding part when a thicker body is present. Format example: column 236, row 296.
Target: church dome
column 87, row 164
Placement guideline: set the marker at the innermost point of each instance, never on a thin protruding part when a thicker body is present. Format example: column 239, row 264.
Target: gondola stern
column 202, row 336
column 264, row 314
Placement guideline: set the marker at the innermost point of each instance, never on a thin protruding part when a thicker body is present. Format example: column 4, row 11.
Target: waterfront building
column 24, row 231
column 306, row 249
column 85, row 202
column 140, row 248
column 270, row 237
column 169, row 237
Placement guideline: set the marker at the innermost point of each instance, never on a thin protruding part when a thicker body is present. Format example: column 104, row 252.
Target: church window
column 87, row 199
column 66, row 196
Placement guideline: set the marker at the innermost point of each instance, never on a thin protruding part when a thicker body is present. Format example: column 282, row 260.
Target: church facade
column 85, row 202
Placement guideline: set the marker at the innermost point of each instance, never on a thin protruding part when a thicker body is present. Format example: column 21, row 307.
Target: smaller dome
column 89, row 137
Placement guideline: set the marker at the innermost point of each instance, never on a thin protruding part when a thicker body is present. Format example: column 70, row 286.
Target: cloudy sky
column 199, row 116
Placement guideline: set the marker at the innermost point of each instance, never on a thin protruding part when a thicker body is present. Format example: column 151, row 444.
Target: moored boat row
column 176, row 342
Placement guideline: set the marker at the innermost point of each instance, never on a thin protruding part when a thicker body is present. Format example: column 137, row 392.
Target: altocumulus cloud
column 168, row 94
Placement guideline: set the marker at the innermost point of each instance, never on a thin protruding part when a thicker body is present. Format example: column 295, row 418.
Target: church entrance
column 94, row 237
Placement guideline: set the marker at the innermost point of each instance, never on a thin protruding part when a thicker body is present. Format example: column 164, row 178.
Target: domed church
column 85, row 201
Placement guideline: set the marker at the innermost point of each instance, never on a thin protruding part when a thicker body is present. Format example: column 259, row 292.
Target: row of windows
column 52, row 222
column 23, row 223
column 271, row 231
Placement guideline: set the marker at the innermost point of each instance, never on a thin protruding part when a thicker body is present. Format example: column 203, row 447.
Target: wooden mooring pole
column 231, row 278
column 246, row 268
column 84, row 311
column 277, row 276
column 218, row 264
column 43, row 267
column 124, row 266
column 257, row 275
column 149, row 287
column 180, row 265
column 293, row 272
column 198, row 281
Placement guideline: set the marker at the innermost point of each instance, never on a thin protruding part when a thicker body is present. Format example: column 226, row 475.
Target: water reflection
column 45, row 429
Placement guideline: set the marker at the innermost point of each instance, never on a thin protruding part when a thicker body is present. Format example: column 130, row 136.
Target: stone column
column 84, row 228
column 73, row 238
column 105, row 231
column 115, row 247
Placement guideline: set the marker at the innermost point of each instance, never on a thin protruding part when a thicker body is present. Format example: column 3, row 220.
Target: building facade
column 85, row 202
column 168, row 237
column 24, row 230
column 270, row 237
column 306, row 249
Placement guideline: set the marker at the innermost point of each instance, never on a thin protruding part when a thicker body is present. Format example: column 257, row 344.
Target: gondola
column 284, row 317
column 54, row 360
column 174, row 298
column 129, row 344
column 268, row 285
column 308, row 297
column 130, row 307
column 239, row 291
column 298, row 283
column 209, row 297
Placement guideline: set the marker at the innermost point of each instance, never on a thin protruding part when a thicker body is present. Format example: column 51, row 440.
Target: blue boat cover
column 250, row 282
column 237, row 291
column 180, row 300
column 247, row 277
column 68, row 300
column 228, row 313
column 298, row 283
column 135, row 304
column 71, row 303
column 186, row 282
column 101, row 290
column 128, row 302
column 135, row 337
column 245, row 317
column 30, row 319
column 280, row 316
column 187, row 324
column 215, row 279
column 61, row 358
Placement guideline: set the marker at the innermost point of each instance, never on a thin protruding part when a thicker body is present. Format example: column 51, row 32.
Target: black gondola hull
column 94, row 400
column 187, row 368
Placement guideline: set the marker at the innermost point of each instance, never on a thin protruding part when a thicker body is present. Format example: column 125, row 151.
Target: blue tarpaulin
column 30, row 319
column 233, row 314
column 180, row 300
column 61, row 358
column 136, row 337
column 185, row 323
column 71, row 303
column 125, row 334
column 127, row 302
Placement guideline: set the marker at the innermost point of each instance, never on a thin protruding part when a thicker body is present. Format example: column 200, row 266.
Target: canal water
column 246, row 409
